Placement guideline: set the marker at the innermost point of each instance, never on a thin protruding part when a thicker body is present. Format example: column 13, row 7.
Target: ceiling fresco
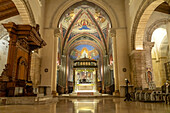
column 84, row 51
column 84, row 18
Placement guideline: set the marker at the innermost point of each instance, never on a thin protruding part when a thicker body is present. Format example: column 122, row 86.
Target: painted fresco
column 84, row 51
column 98, row 14
column 83, row 22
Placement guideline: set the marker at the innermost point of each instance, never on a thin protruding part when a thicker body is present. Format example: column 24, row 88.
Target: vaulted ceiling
column 7, row 9
column 85, row 21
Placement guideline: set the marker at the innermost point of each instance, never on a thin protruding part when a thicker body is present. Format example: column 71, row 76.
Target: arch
column 154, row 26
column 91, row 43
column 59, row 12
column 88, row 35
column 25, row 11
column 78, row 36
column 142, row 16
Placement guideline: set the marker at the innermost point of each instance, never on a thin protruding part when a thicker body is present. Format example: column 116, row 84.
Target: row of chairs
column 158, row 95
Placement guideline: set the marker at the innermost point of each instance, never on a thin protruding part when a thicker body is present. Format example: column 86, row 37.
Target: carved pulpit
column 23, row 40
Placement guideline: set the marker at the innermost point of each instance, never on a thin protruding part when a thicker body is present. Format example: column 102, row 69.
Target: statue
column 148, row 75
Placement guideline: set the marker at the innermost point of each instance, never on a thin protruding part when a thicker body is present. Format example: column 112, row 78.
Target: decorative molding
column 148, row 45
column 24, row 44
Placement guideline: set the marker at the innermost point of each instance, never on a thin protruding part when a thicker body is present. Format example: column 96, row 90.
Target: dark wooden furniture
column 23, row 40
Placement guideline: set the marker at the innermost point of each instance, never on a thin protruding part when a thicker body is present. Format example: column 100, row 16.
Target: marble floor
column 98, row 105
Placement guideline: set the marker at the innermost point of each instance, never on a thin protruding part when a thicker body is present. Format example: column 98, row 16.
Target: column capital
column 57, row 32
column 148, row 45
column 112, row 32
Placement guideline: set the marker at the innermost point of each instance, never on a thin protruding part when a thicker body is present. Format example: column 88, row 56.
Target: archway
column 143, row 14
column 160, row 55
column 85, row 24
column 141, row 39
column 25, row 11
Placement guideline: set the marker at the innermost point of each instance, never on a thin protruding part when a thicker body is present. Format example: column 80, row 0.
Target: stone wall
column 138, row 65
column 35, row 69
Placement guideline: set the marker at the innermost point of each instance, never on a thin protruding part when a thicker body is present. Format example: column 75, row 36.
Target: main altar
column 85, row 77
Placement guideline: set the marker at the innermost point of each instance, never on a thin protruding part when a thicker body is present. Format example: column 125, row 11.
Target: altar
column 85, row 77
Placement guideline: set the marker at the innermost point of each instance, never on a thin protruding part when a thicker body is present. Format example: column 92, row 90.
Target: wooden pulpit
column 23, row 40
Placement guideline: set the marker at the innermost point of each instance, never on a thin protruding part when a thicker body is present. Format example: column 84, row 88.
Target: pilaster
column 54, row 84
column 115, row 65
column 47, row 61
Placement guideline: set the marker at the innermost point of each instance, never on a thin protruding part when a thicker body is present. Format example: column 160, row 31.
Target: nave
column 89, row 105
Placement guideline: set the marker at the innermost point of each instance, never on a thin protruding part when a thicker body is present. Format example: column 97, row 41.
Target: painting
column 84, row 51
column 84, row 24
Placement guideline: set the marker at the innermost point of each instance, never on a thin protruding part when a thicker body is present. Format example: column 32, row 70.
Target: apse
column 84, row 51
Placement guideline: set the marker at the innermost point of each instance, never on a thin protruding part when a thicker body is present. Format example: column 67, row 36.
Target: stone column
column 148, row 48
column 62, row 75
column 74, row 79
column 102, row 71
column 115, row 65
column 96, row 80
column 138, row 65
column 54, row 84
column 67, row 72
column 168, row 32
column 106, row 69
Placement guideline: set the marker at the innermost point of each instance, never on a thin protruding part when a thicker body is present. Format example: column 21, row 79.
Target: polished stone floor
column 98, row 105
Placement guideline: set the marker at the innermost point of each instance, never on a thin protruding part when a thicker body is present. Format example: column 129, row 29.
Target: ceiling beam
column 6, row 4
column 8, row 13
